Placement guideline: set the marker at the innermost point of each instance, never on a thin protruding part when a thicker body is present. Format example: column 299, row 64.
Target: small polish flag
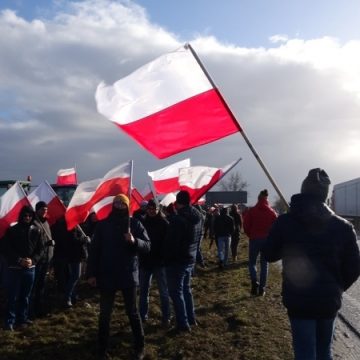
column 10, row 205
column 66, row 177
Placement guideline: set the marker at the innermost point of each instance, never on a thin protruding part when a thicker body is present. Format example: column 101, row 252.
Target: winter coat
column 320, row 257
column 181, row 241
column 223, row 224
column 70, row 245
column 22, row 241
column 258, row 220
column 113, row 261
column 46, row 238
column 156, row 227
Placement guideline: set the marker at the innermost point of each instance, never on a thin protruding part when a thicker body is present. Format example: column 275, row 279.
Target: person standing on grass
column 180, row 255
column 152, row 263
column 113, row 265
column 257, row 223
column 23, row 248
column 223, row 229
column 43, row 266
column 320, row 260
column 235, row 236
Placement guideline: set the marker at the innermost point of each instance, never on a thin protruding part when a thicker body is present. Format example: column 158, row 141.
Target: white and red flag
column 168, row 105
column 66, row 177
column 44, row 192
column 147, row 192
column 166, row 179
column 197, row 180
column 10, row 205
column 89, row 193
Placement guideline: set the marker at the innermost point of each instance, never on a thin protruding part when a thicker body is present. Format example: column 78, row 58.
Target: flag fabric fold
column 44, row 192
column 166, row 179
column 91, row 192
column 66, row 177
column 147, row 192
column 197, row 180
column 168, row 105
column 10, row 205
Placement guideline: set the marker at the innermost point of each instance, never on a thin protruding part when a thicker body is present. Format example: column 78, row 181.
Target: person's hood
column 310, row 211
column 262, row 203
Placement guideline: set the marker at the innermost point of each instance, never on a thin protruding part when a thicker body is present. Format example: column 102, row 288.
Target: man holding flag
column 113, row 266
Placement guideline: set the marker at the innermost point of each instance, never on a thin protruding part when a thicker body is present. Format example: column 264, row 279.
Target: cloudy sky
column 288, row 70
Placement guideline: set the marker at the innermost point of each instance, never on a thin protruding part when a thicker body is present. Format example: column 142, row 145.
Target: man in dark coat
column 113, row 266
column 23, row 249
column 320, row 260
column 180, row 255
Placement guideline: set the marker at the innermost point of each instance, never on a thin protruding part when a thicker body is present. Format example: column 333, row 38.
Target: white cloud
column 298, row 100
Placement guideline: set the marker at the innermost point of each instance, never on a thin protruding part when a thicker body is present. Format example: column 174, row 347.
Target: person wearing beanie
column 113, row 266
column 320, row 260
column 23, row 249
column 40, row 302
column 180, row 255
column 257, row 223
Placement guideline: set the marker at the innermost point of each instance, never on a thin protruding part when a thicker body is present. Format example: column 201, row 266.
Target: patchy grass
column 232, row 324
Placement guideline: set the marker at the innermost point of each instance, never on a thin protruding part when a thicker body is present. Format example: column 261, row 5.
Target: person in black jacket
column 235, row 236
column 320, row 260
column 152, row 263
column 180, row 254
column 23, row 249
column 113, row 265
column 223, row 229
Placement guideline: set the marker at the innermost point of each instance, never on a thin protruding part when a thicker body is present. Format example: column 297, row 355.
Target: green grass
column 232, row 324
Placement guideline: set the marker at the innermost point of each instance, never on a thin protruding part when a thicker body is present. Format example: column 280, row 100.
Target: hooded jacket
column 320, row 257
column 258, row 220
column 23, row 241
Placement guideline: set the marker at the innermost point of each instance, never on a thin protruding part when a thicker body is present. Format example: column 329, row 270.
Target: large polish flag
column 10, row 205
column 44, row 192
column 166, row 179
column 197, row 180
column 168, row 105
column 88, row 193
column 66, row 177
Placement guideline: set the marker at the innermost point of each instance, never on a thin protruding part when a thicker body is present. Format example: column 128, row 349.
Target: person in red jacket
column 257, row 223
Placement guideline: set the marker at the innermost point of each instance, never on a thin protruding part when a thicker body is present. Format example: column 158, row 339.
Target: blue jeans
column 145, row 277
column 74, row 271
column 255, row 248
column 20, row 283
column 179, row 284
column 312, row 338
column 223, row 248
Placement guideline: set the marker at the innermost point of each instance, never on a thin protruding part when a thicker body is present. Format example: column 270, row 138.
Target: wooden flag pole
column 241, row 130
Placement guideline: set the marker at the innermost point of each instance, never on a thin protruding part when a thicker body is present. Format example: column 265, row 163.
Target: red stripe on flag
column 196, row 121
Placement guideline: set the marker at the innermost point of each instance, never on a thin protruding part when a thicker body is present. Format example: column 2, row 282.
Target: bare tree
column 234, row 182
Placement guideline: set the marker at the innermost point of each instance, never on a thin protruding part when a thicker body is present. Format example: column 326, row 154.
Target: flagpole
column 242, row 132
column 130, row 187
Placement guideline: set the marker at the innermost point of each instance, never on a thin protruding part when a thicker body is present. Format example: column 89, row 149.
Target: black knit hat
column 39, row 205
column 151, row 204
column 263, row 194
column 183, row 197
column 316, row 183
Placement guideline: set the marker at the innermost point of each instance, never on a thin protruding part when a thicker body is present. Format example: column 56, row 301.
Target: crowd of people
column 123, row 253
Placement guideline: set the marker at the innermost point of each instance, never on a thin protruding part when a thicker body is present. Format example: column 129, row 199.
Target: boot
column 254, row 288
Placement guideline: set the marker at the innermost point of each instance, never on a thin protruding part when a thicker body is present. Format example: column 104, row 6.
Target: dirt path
column 346, row 343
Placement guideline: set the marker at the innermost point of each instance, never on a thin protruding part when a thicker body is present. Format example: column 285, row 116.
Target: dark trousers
column 107, row 298
column 39, row 288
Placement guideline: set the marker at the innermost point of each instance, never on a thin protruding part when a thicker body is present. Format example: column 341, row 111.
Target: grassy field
column 232, row 324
